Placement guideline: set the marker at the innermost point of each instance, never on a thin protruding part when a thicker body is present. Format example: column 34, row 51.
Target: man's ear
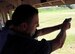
column 24, row 26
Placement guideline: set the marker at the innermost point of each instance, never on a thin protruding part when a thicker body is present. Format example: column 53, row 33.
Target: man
column 24, row 24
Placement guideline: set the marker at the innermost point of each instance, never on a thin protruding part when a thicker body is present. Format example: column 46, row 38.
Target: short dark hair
column 23, row 13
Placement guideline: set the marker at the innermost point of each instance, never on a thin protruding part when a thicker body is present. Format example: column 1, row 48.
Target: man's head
column 25, row 17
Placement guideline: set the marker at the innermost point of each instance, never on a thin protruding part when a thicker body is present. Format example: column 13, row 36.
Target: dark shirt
column 24, row 44
column 3, row 37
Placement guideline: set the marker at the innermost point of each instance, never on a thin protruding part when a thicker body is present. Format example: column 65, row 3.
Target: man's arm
column 60, row 39
column 51, row 29
column 48, row 30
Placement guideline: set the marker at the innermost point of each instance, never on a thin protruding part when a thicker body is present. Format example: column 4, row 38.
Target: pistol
column 68, row 20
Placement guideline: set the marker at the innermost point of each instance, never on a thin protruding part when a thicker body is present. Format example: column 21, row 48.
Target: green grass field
column 51, row 17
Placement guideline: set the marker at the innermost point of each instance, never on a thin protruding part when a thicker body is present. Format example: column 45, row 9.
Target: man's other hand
column 66, row 24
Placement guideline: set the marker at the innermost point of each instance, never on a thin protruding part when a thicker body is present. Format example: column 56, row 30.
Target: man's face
column 33, row 25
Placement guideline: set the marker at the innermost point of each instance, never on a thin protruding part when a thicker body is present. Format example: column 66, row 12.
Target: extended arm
column 60, row 39
column 51, row 29
column 48, row 30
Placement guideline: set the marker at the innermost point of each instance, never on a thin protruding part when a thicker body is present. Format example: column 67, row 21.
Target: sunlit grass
column 48, row 18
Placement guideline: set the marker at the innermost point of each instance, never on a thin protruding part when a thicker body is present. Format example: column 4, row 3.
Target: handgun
column 68, row 20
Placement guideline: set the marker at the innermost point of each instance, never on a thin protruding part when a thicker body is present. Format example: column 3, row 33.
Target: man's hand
column 66, row 24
